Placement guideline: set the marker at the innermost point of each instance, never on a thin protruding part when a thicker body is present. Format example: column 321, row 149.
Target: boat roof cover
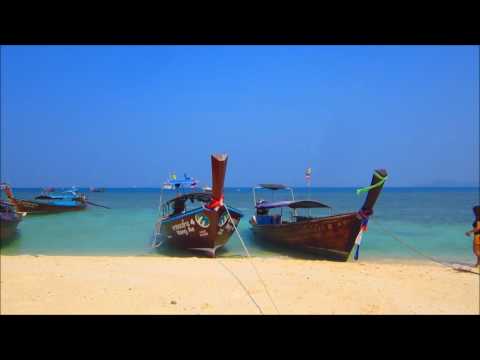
column 298, row 204
column 273, row 186
column 69, row 194
column 199, row 196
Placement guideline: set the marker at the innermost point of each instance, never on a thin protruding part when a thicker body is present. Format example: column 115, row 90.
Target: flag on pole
column 308, row 174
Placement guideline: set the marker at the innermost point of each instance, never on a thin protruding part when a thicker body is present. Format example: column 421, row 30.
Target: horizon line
column 249, row 187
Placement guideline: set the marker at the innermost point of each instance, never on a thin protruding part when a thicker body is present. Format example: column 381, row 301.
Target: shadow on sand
column 286, row 251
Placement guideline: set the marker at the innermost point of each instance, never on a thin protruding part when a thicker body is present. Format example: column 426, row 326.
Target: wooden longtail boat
column 206, row 226
column 45, row 206
column 9, row 220
column 332, row 237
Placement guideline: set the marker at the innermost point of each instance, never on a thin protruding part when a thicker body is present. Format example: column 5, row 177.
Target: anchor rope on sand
column 250, row 260
column 393, row 236
column 242, row 285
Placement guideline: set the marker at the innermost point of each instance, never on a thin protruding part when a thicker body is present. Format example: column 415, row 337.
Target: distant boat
column 47, row 203
column 174, row 183
column 207, row 189
column 9, row 220
column 331, row 237
column 204, row 227
column 101, row 189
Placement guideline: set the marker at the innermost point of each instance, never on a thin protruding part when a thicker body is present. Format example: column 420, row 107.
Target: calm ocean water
column 433, row 220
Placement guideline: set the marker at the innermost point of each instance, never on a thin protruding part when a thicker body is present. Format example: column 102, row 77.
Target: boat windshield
column 180, row 204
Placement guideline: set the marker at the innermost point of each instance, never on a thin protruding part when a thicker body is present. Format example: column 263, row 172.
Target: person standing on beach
column 476, row 233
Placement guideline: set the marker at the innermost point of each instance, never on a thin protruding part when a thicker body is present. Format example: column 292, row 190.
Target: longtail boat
column 9, row 220
column 331, row 237
column 206, row 225
column 45, row 206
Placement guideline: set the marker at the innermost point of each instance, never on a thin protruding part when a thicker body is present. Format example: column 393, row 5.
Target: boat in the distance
column 198, row 221
column 331, row 237
column 47, row 205
column 99, row 189
column 9, row 220
column 173, row 183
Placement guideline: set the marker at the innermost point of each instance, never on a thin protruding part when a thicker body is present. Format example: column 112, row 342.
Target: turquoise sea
column 433, row 220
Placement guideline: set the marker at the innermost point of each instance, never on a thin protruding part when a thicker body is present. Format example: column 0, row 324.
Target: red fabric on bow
column 215, row 203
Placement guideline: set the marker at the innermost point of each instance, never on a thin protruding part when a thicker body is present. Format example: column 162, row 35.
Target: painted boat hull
column 37, row 207
column 331, row 237
column 190, row 231
column 8, row 226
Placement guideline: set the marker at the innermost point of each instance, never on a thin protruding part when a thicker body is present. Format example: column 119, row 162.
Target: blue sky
column 127, row 115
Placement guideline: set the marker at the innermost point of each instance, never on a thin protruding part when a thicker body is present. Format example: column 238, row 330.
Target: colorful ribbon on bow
column 380, row 183
column 363, row 228
column 215, row 203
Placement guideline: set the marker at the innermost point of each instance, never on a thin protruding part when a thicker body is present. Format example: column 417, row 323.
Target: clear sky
column 127, row 115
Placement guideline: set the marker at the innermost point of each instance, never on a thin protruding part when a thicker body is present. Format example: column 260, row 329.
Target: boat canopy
column 299, row 204
column 198, row 196
column 273, row 186
column 64, row 195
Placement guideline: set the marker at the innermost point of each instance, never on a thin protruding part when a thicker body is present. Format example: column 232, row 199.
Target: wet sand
column 169, row 285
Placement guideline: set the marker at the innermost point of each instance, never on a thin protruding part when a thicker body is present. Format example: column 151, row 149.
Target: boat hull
column 36, row 207
column 8, row 225
column 331, row 237
column 200, row 230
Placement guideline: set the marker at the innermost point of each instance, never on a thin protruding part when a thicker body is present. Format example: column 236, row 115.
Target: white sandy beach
column 164, row 285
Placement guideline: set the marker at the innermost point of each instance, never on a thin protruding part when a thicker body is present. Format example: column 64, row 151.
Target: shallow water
column 433, row 220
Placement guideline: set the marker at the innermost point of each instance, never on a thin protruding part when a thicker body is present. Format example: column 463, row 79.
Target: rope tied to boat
column 242, row 285
column 378, row 184
column 251, row 263
column 396, row 238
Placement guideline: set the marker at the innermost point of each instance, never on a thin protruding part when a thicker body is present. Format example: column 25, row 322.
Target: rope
column 251, row 262
column 242, row 285
column 420, row 253
column 380, row 183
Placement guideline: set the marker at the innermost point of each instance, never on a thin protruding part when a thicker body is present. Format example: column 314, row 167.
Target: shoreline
column 365, row 259
column 144, row 284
